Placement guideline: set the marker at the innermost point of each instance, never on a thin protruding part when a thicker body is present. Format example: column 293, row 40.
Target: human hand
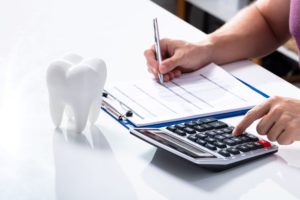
column 280, row 120
column 178, row 57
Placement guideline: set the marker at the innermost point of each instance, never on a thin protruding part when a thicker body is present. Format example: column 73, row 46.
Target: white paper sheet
column 208, row 91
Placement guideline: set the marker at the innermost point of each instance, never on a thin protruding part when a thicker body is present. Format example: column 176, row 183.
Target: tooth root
column 94, row 111
column 56, row 110
column 69, row 112
column 81, row 113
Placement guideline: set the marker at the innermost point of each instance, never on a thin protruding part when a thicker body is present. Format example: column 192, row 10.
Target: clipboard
column 122, row 112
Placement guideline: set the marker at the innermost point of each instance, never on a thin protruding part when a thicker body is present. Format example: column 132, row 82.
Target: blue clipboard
column 128, row 125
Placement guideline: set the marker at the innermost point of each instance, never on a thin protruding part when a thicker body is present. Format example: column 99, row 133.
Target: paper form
column 210, row 90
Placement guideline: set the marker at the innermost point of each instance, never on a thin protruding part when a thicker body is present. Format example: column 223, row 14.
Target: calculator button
column 218, row 125
column 237, row 140
column 257, row 145
column 211, row 133
column 207, row 127
column 211, row 146
column 201, row 135
column 210, row 140
column 219, row 137
column 190, row 124
column 180, row 132
column 192, row 137
column 171, row 128
column 244, row 138
column 180, row 126
column 201, row 142
column 224, row 153
column 218, row 132
column 220, row 145
column 229, row 142
column 199, row 128
column 199, row 122
column 243, row 148
column 189, row 130
column 227, row 135
column 252, row 137
column 250, row 146
column 227, row 130
column 264, row 143
column 208, row 120
column 233, row 151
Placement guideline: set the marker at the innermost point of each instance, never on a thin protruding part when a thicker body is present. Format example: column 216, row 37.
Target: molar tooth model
column 76, row 85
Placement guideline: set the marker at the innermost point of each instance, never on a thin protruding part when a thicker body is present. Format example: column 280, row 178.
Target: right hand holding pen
column 178, row 57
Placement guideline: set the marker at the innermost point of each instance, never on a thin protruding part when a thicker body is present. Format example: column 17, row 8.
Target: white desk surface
column 106, row 162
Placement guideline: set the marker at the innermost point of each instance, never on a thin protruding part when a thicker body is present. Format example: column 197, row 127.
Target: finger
column 151, row 60
column 292, row 131
column 264, row 126
column 285, row 138
column 165, row 47
column 150, row 54
column 278, row 128
column 266, row 123
column 167, row 77
column 177, row 73
column 155, row 75
column 296, row 136
column 172, row 75
column 254, row 114
column 153, row 67
column 169, row 64
column 149, row 70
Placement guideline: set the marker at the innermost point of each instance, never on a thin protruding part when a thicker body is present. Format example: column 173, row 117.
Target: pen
column 157, row 48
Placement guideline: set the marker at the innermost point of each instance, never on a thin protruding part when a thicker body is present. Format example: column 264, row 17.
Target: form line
column 135, row 102
column 203, row 101
column 220, row 86
column 154, row 98
column 181, row 97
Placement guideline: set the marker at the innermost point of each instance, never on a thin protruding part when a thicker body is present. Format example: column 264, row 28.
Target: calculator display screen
column 175, row 143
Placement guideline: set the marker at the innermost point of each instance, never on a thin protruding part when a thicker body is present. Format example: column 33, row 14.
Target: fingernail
column 234, row 132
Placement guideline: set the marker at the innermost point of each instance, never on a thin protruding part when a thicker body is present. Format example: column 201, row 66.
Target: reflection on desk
column 86, row 167
column 180, row 179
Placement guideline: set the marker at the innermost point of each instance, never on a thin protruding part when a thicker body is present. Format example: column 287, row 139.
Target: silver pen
column 157, row 48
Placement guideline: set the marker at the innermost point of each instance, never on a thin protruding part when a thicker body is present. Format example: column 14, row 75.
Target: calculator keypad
column 217, row 136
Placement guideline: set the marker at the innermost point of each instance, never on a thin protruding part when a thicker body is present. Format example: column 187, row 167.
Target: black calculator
column 207, row 142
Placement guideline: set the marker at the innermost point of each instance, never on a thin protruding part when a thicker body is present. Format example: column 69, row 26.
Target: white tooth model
column 76, row 84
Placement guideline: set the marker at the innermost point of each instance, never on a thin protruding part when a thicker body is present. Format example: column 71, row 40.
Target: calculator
column 207, row 142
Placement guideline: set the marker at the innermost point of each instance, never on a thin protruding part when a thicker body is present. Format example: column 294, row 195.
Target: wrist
column 207, row 47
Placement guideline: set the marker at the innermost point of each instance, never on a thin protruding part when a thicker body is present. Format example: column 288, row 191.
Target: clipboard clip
column 114, row 111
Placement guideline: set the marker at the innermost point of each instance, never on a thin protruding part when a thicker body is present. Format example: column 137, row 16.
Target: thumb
column 169, row 64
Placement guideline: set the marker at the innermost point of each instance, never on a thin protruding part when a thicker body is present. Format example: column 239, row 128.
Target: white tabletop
column 106, row 162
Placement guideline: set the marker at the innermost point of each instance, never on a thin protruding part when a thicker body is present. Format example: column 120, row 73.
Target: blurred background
column 208, row 15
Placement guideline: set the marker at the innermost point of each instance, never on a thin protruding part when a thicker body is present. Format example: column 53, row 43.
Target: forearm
column 249, row 34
